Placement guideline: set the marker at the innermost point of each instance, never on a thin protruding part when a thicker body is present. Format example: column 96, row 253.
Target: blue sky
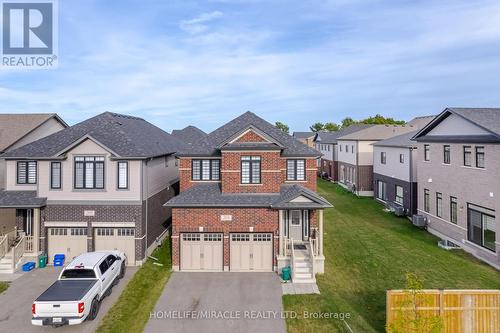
column 177, row 63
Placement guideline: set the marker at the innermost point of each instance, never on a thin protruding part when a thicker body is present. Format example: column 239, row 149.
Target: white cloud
column 196, row 25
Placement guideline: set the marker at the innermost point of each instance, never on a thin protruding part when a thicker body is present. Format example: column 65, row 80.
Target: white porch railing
column 29, row 244
column 4, row 245
column 312, row 255
column 314, row 241
column 18, row 251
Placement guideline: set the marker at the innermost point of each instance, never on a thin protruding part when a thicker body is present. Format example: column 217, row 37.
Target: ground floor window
column 481, row 226
column 381, row 190
column 399, row 194
column 453, row 210
column 427, row 201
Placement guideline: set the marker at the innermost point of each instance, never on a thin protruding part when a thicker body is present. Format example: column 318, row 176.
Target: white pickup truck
column 77, row 293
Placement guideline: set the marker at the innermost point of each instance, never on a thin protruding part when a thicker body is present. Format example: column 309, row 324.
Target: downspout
column 147, row 198
column 357, row 167
column 411, row 180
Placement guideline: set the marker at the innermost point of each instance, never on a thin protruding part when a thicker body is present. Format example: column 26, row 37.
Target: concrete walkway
column 219, row 302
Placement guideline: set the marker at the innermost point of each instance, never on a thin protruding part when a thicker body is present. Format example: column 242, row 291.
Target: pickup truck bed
column 66, row 291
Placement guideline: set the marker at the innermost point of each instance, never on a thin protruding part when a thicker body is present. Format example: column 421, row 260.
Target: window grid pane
column 122, row 175
column 55, row 177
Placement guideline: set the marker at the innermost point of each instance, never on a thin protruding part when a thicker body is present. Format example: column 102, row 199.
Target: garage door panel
column 70, row 241
column 201, row 252
column 251, row 252
column 121, row 239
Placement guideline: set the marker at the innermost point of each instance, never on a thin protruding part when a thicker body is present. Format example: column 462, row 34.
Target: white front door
column 295, row 224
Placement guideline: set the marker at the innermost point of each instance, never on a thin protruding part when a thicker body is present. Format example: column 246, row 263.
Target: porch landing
column 299, row 288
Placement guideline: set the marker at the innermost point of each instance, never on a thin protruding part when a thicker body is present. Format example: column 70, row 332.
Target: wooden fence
column 461, row 311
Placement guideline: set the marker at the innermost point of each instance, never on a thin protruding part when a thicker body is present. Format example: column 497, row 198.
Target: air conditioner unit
column 419, row 221
column 399, row 211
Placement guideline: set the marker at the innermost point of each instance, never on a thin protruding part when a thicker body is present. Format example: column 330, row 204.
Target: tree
column 379, row 119
column 317, row 127
column 348, row 121
column 282, row 126
column 331, row 127
column 409, row 316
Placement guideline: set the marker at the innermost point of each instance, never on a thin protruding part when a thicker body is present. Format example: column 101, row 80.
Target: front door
column 28, row 222
column 296, row 225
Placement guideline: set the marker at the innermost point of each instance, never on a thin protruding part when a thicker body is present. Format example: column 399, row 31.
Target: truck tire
column 122, row 270
column 94, row 309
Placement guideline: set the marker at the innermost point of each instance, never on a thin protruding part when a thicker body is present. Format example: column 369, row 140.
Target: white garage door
column 122, row 239
column 251, row 252
column 69, row 241
column 201, row 252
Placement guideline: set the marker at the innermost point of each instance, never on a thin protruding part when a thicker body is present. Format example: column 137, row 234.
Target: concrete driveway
column 15, row 303
column 221, row 302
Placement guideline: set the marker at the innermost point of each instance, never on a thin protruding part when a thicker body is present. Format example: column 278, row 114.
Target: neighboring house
column 355, row 151
column 395, row 170
column 305, row 137
column 458, row 179
column 326, row 144
column 17, row 130
column 97, row 185
column 189, row 134
column 248, row 190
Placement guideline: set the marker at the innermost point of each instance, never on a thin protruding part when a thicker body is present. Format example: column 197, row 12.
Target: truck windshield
column 78, row 274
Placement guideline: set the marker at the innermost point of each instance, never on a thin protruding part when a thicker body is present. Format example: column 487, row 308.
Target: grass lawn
column 368, row 251
column 131, row 311
column 3, row 286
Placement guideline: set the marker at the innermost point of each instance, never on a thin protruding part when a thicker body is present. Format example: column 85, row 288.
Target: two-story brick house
column 458, row 179
column 98, row 185
column 248, row 194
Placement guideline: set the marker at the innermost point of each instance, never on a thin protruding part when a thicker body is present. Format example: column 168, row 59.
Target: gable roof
column 378, row 132
column 486, row 118
column 303, row 135
column 189, row 134
column 123, row 135
column 331, row 137
column 211, row 144
column 14, row 127
column 402, row 141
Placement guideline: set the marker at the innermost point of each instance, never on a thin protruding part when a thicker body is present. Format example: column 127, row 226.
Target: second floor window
column 480, row 157
column 206, row 169
column 427, row 155
column 26, row 172
column 467, row 156
column 383, row 157
column 295, row 170
column 55, row 175
column 250, row 169
column 446, row 154
column 89, row 172
column 123, row 175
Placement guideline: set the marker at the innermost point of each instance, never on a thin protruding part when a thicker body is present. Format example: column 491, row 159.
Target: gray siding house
column 458, row 179
column 97, row 185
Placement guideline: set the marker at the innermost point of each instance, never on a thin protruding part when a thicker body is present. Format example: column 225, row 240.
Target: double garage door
column 73, row 241
column 205, row 252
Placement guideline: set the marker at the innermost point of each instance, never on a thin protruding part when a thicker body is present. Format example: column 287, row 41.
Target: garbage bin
column 286, row 273
column 42, row 261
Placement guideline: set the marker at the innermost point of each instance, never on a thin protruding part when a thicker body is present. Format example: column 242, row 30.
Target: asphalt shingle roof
column 331, row 137
column 189, row 134
column 124, row 135
column 20, row 199
column 303, row 135
column 403, row 140
column 210, row 195
column 210, row 145
column 13, row 127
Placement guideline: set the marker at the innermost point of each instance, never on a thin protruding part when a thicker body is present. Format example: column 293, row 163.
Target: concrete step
column 299, row 276
column 304, row 281
column 303, row 270
column 302, row 264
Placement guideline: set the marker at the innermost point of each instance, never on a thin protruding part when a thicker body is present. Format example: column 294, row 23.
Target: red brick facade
column 273, row 176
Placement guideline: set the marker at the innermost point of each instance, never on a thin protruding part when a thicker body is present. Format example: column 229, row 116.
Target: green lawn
column 3, row 286
column 368, row 251
column 131, row 311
